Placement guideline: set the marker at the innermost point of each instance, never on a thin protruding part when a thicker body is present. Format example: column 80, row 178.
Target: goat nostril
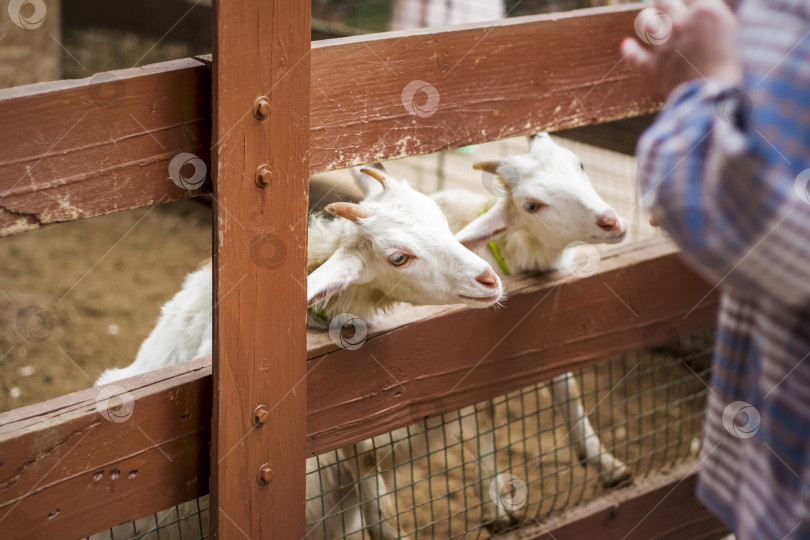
column 488, row 279
column 608, row 222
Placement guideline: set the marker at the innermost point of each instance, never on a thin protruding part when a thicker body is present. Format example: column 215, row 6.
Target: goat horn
column 488, row 166
column 347, row 210
column 375, row 174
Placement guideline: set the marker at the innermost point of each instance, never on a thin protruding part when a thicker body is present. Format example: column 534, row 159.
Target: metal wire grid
column 188, row 521
column 646, row 407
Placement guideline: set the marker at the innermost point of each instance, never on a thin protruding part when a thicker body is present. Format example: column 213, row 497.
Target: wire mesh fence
column 646, row 408
column 508, row 462
column 187, row 521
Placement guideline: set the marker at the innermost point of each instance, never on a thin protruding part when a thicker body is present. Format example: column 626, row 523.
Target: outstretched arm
column 725, row 167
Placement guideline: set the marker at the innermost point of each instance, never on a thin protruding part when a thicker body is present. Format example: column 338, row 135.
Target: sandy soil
column 79, row 297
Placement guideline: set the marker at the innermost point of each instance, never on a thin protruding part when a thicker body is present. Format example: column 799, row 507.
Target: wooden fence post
column 261, row 86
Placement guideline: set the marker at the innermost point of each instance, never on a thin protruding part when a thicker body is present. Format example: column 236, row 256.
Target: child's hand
column 702, row 43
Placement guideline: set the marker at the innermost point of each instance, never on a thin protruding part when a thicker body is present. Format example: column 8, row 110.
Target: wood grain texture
column 67, row 157
column 576, row 323
column 659, row 507
column 67, row 471
column 83, row 148
column 260, row 49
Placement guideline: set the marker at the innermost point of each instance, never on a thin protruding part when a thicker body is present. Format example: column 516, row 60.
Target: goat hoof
column 501, row 524
column 617, row 477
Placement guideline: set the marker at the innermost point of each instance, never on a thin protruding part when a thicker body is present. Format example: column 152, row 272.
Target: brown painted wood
column 512, row 77
column 261, row 48
column 619, row 136
column 82, row 148
column 67, row 471
column 651, row 280
column 453, row 356
column 660, row 507
column 65, row 157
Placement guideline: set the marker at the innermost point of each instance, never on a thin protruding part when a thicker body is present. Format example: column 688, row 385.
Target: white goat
column 547, row 203
column 394, row 246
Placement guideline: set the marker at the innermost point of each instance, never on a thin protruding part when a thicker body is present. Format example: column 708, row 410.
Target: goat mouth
column 613, row 237
column 484, row 299
column 616, row 237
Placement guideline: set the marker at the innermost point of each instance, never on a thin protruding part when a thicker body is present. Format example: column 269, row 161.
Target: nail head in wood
column 263, row 176
column 260, row 415
column 261, row 108
column 265, row 474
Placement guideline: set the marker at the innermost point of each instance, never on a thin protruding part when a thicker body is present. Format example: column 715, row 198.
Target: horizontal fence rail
column 637, row 513
column 83, row 148
column 85, row 461
column 65, row 459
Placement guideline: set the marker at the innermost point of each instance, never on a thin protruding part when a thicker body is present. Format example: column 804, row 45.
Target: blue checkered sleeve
column 725, row 172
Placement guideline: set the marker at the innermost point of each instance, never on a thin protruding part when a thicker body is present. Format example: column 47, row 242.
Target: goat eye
column 399, row 258
column 581, row 166
column 533, row 206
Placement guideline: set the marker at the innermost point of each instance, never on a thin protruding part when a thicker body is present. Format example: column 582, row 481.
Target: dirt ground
column 80, row 297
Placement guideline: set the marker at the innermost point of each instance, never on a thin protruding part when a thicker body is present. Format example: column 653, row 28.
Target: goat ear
column 339, row 271
column 371, row 179
column 541, row 146
column 491, row 224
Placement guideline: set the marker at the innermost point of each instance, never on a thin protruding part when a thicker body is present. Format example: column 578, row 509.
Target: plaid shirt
column 726, row 173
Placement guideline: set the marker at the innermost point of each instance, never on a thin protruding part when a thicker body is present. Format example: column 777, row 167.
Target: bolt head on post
column 263, row 176
column 260, row 415
column 261, row 108
column 265, row 475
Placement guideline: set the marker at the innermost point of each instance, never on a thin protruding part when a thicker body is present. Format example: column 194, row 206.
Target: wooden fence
column 271, row 101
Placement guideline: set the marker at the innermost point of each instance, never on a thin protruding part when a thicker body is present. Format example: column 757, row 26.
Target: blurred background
column 81, row 37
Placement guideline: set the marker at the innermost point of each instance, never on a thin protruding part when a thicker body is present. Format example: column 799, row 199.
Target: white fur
column 401, row 219
column 549, row 174
column 183, row 331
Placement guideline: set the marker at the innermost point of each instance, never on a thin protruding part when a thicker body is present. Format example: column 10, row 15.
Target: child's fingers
column 638, row 57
